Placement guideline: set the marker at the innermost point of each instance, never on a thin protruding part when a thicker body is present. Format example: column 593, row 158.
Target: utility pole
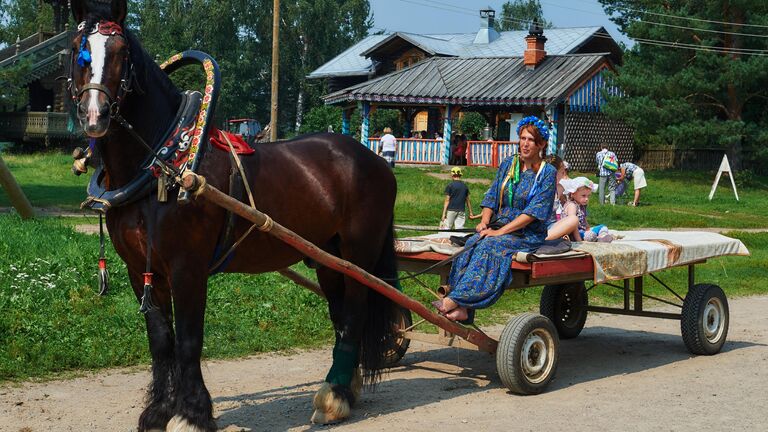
column 275, row 65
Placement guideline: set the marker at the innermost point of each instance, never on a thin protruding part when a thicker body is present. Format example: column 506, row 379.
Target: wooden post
column 275, row 68
column 15, row 194
column 364, row 128
column 346, row 115
column 446, row 156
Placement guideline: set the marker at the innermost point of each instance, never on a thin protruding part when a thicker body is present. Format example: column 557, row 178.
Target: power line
column 690, row 18
column 682, row 45
column 692, row 47
column 654, row 42
column 668, row 25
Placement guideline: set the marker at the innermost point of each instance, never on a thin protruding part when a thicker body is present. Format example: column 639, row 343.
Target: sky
column 462, row 16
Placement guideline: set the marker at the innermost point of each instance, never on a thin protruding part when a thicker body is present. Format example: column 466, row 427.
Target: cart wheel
column 402, row 321
column 566, row 306
column 526, row 358
column 705, row 318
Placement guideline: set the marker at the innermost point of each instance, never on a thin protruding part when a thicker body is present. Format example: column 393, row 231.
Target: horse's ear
column 78, row 10
column 119, row 11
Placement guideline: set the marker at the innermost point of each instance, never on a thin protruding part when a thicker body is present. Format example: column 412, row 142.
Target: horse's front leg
column 333, row 402
column 160, row 400
column 193, row 410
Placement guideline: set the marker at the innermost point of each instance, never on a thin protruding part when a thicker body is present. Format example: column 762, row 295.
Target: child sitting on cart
column 577, row 192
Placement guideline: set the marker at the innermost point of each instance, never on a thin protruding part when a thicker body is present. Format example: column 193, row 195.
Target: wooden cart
column 528, row 348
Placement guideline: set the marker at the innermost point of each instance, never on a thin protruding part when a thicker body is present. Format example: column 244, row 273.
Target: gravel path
column 621, row 374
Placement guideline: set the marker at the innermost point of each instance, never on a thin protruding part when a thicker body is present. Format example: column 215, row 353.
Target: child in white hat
column 577, row 191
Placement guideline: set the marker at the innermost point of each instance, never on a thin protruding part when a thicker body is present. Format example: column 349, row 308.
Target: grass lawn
column 52, row 321
column 47, row 180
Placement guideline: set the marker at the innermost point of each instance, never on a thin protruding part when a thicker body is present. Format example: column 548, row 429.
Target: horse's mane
column 146, row 68
column 144, row 65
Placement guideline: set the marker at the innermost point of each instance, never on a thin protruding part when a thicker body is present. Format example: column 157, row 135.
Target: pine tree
column 711, row 93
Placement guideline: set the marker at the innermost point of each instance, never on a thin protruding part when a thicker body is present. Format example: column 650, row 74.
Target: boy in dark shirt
column 456, row 197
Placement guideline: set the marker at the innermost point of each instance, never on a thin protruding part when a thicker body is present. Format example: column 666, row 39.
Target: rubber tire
column 692, row 319
column 509, row 352
column 554, row 304
column 402, row 320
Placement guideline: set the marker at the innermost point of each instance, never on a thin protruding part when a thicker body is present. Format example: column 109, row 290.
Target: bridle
column 127, row 81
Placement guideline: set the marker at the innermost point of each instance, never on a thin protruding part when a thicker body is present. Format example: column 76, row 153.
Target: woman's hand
column 481, row 226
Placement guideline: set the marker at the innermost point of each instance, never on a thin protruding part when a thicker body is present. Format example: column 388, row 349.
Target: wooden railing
column 414, row 151
column 489, row 153
column 34, row 125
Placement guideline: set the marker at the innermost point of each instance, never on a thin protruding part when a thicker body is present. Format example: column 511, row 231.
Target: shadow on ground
column 599, row 352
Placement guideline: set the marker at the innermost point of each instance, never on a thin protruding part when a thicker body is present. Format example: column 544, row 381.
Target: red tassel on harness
column 146, row 300
column 103, row 276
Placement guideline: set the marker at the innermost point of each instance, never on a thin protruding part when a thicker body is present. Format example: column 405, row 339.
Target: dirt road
column 621, row 374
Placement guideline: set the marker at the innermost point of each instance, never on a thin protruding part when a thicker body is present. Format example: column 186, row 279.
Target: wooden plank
column 552, row 268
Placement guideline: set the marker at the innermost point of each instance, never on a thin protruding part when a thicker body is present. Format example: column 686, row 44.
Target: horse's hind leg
column 193, row 410
column 160, row 403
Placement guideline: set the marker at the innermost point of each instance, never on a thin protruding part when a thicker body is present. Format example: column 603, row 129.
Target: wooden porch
column 29, row 126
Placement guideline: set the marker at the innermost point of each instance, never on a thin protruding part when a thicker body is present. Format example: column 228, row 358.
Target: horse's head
column 100, row 69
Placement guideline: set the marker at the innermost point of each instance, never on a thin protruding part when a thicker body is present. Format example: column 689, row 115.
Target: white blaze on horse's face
column 98, row 45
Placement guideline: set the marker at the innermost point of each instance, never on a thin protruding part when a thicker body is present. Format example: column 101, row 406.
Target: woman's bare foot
column 445, row 305
column 458, row 314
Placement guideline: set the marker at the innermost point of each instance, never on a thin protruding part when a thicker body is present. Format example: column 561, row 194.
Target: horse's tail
column 380, row 333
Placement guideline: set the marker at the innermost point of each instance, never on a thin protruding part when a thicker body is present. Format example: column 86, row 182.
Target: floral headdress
column 540, row 125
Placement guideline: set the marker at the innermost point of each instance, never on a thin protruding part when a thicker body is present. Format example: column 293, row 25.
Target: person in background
column 388, row 148
column 630, row 171
column 460, row 152
column 607, row 164
column 456, row 202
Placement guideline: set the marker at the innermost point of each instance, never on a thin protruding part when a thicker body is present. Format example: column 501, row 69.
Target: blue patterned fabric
column 478, row 278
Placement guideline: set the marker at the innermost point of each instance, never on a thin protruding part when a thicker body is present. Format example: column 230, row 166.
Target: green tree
column 238, row 34
column 519, row 14
column 12, row 95
column 472, row 124
column 708, row 90
column 22, row 18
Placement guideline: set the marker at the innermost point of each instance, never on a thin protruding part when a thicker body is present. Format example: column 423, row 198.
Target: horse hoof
column 357, row 384
column 329, row 407
column 180, row 424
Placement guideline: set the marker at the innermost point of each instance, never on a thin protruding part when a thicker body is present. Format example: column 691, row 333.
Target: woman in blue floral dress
column 519, row 202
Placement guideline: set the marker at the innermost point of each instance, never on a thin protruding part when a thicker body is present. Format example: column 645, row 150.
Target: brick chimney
column 534, row 51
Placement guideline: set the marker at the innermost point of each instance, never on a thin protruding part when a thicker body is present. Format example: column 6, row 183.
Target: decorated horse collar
column 177, row 151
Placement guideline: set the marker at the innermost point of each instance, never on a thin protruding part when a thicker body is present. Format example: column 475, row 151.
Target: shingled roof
column 356, row 60
column 478, row 81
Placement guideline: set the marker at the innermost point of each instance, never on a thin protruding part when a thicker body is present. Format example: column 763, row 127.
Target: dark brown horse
column 327, row 188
